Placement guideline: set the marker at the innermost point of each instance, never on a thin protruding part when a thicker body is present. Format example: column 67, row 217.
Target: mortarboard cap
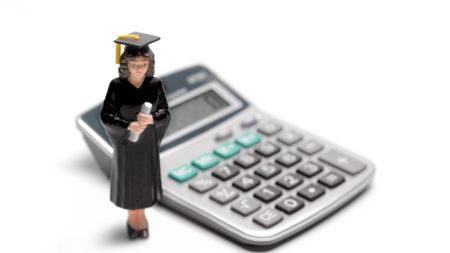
column 135, row 41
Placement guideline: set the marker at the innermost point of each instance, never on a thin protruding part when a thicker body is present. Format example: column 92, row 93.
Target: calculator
column 246, row 174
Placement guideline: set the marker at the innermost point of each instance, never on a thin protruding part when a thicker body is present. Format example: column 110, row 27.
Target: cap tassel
column 118, row 46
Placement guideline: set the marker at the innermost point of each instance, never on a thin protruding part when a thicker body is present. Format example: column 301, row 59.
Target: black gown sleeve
column 114, row 124
column 161, row 116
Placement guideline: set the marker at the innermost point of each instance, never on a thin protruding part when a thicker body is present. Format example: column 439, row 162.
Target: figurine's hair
column 128, row 55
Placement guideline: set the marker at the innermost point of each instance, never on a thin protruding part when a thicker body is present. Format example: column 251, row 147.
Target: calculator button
column 225, row 172
column 227, row 149
column 249, row 121
column 246, row 160
column 268, row 193
column 202, row 184
column 331, row 180
column 223, row 134
column 311, row 192
column 289, row 137
column 224, row 195
column 246, row 183
column 288, row 159
column 183, row 173
column 268, row 218
column 310, row 147
column 269, row 128
column 267, row 149
column 246, row 206
column 343, row 162
column 290, row 181
column 290, row 205
column 248, row 139
column 267, row 171
column 206, row 161
column 310, row 169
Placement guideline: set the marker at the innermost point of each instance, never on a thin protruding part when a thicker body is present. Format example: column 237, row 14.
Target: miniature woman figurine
column 135, row 168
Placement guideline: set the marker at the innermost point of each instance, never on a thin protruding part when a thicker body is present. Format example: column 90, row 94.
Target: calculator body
column 238, row 170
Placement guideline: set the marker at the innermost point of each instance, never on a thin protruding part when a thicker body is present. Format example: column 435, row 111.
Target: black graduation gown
column 135, row 167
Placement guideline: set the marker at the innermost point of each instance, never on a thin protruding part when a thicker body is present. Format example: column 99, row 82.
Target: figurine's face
column 138, row 67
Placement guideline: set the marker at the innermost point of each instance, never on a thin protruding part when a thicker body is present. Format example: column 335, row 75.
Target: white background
column 372, row 76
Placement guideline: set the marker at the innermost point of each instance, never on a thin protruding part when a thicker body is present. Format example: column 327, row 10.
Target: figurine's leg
column 137, row 219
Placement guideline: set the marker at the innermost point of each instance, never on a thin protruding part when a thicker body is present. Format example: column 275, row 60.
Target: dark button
column 268, row 170
column 310, row 147
column 290, row 205
column 331, row 180
column 269, row 128
column 246, row 183
column 290, row 181
column 343, row 162
column 310, row 169
column 289, row 137
column 267, row 149
column 225, row 172
column 246, row 160
column 311, row 192
column 268, row 193
column 288, row 159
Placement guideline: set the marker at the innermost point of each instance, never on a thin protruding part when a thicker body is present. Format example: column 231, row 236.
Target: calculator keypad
column 293, row 170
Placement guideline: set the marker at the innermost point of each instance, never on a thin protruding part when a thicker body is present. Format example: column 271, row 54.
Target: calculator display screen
column 195, row 109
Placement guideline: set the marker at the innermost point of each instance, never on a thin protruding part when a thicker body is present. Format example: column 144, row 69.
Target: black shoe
column 132, row 233
column 144, row 233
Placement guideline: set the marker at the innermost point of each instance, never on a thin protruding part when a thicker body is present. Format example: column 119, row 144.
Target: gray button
column 267, row 149
column 290, row 205
column 289, row 137
column 267, row 171
column 290, row 181
column 246, row 160
column 203, row 184
column 310, row 147
column 311, row 192
column 343, row 162
column 269, row 128
column 246, row 183
column 331, row 180
column 268, row 218
column 246, row 206
column 288, row 159
column 225, row 172
column 224, row 195
column 310, row 169
column 268, row 193
column 223, row 134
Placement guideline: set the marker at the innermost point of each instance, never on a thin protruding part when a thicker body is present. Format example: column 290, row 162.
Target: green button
column 227, row 149
column 206, row 161
column 183, row 173
column 248, row 139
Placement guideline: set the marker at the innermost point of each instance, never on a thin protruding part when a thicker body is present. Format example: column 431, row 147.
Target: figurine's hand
column 144, row 119
column 136, row 127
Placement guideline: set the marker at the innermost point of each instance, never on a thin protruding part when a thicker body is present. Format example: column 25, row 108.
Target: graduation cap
column 136, row 43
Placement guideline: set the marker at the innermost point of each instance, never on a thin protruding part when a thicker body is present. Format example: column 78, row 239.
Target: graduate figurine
column 135, row 116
